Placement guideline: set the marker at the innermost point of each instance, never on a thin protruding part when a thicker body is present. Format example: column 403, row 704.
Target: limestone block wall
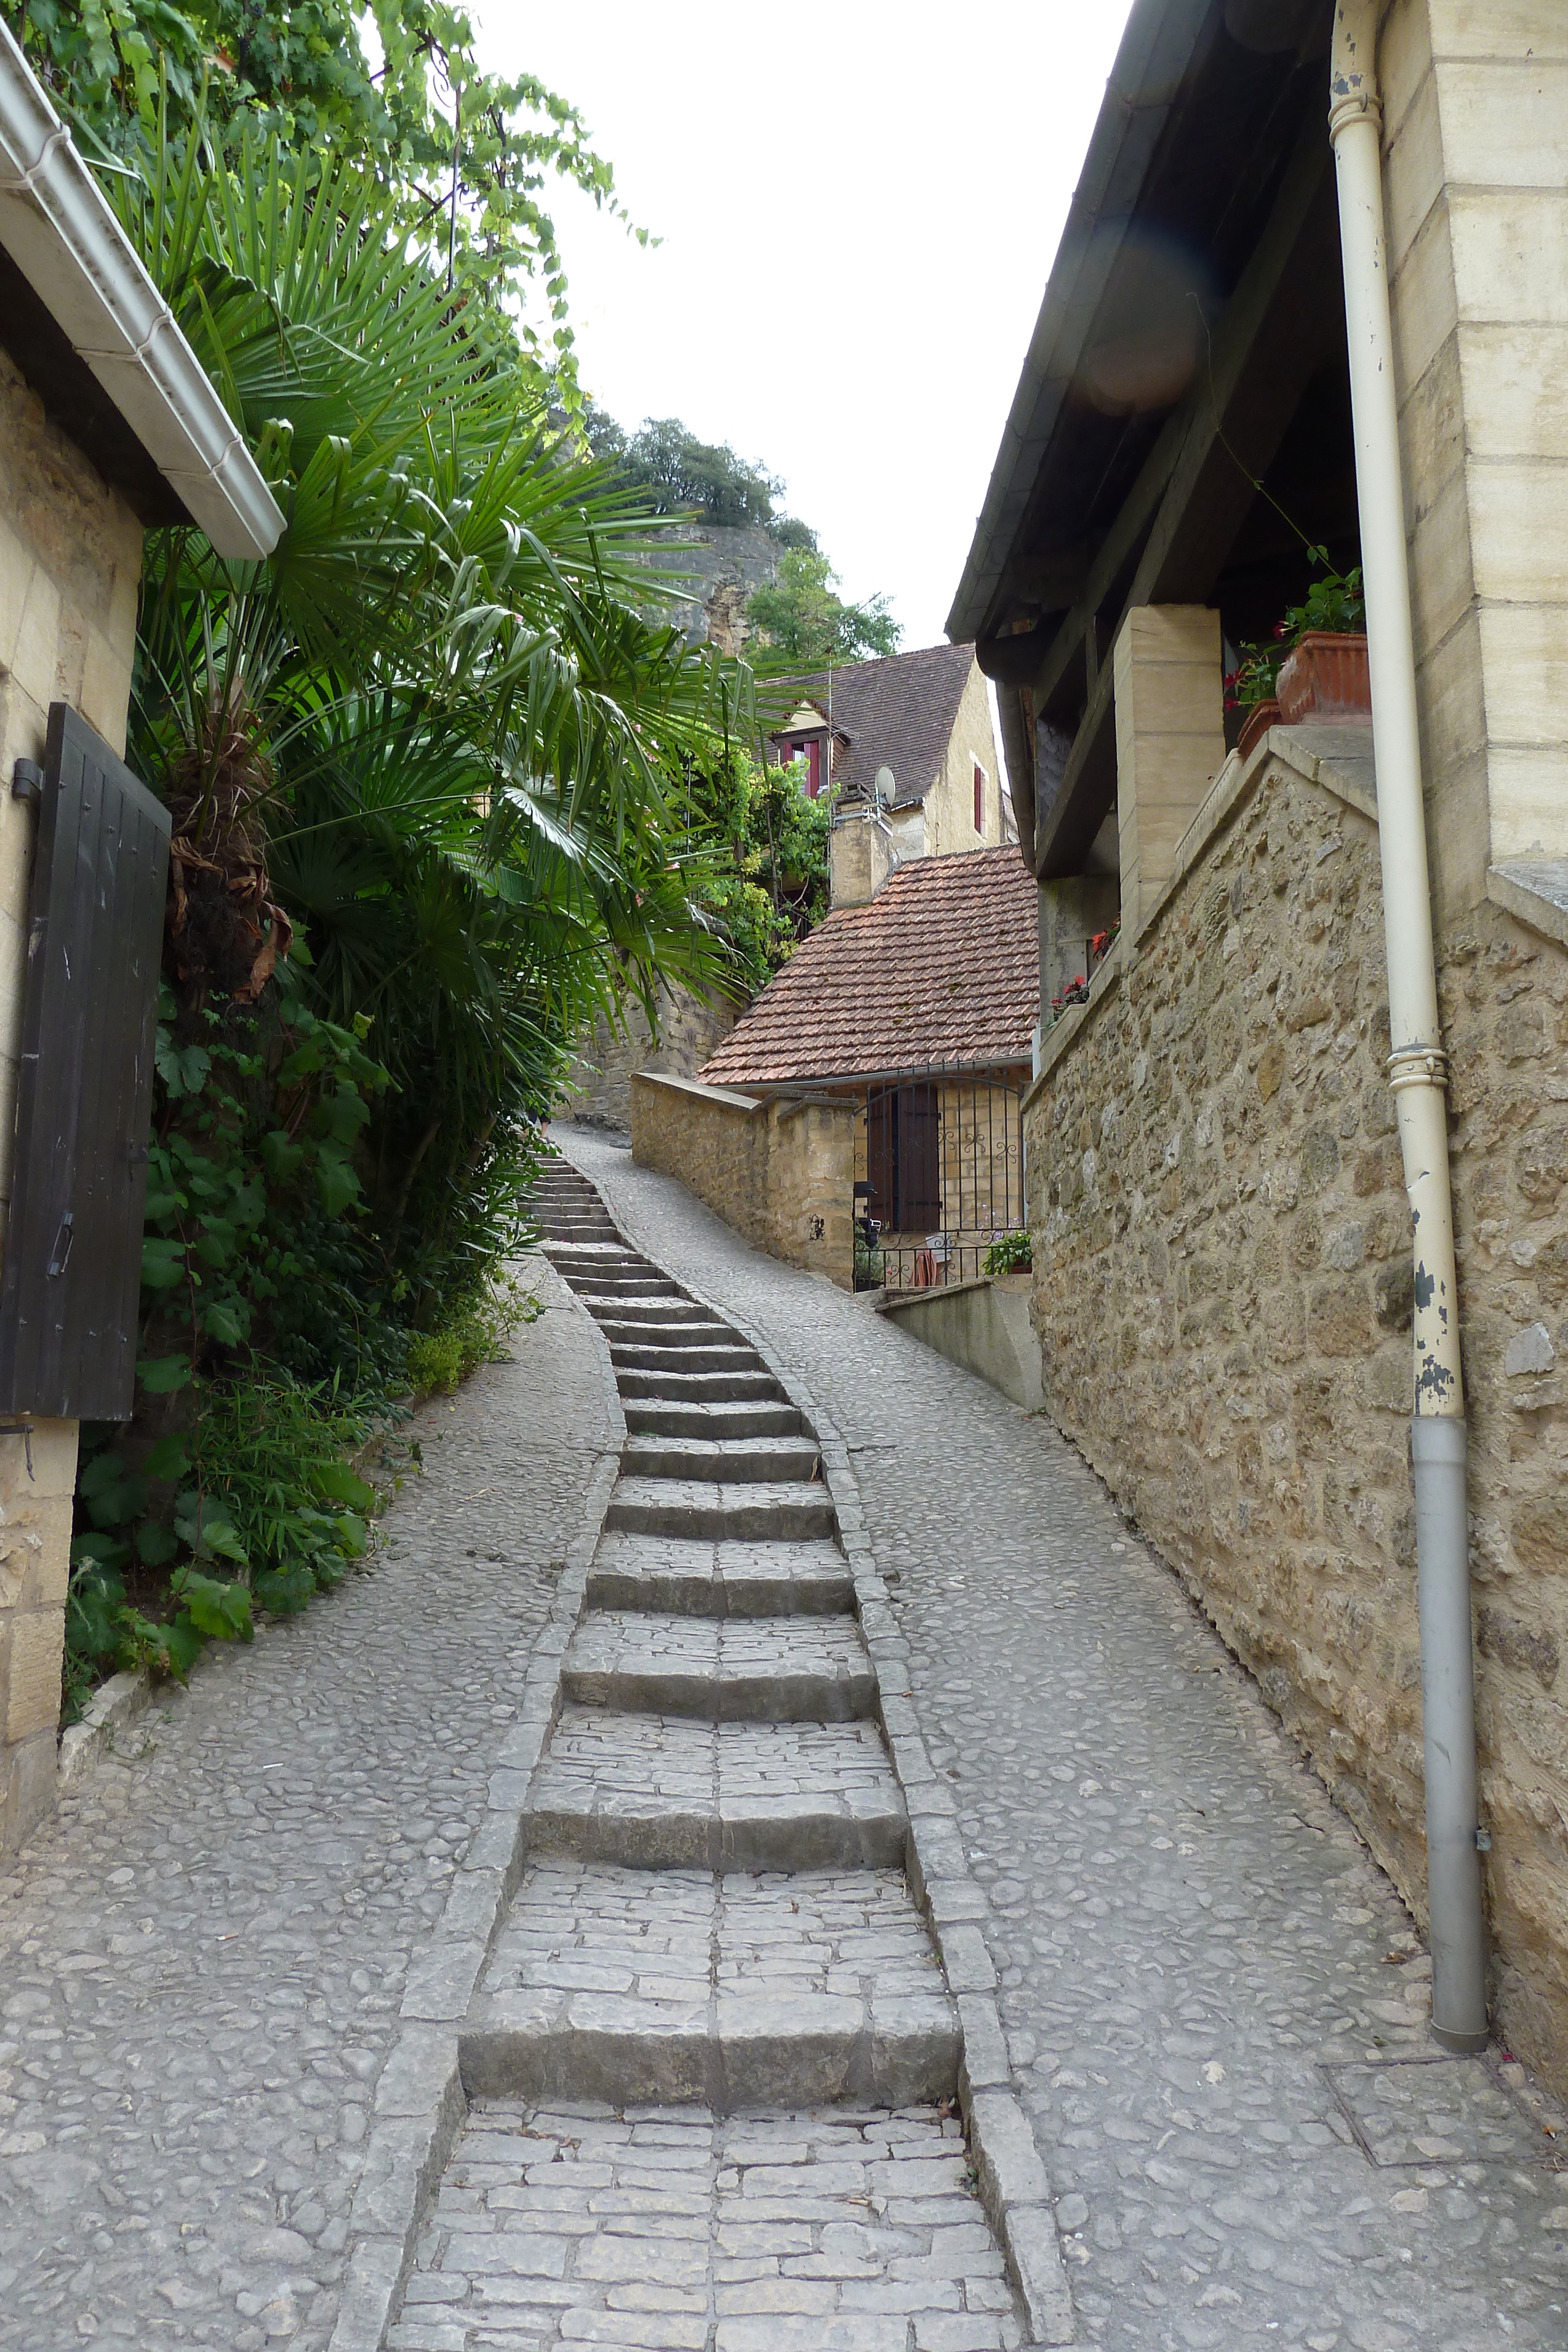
column 71, row 559
column 599, row 1083
column 780, row 1171
column 949, row 805
column 1222, row 1265
column 1475, row 127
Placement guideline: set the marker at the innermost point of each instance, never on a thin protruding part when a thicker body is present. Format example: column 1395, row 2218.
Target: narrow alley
column 259, row 1911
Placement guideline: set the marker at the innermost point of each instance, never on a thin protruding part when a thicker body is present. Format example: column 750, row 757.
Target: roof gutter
column 58, row 229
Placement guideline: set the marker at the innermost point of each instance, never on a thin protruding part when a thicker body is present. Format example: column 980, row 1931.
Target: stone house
column 107, row 426
column 906, row 749
column 1224, row 1277
column 924, row 719
column 917, row 1007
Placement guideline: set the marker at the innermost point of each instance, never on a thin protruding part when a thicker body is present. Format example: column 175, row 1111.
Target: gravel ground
column 1215, row 2003
column 202, row 1956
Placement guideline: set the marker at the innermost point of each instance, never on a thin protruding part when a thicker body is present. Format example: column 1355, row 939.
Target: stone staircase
column 713, row 1945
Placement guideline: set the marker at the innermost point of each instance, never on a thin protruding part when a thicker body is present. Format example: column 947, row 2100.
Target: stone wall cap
column 895, row 1302
column 724, row 1095
column 1536, row 891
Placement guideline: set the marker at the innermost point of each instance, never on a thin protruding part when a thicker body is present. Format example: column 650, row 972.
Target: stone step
column 686, row 1576
column 753, row 1385
column 623, row 1330
column 664, row 1417
column 740, row 1991
column 621, row 1286
column 667, row 1313
column 642, row 1356
column 726, row 1460
column 663, row 1793
column 755, row 1512
column 798, row 2229
column 767, row 1670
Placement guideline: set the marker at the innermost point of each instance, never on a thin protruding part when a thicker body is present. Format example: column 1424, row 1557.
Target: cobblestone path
column 201, row 1959
column 1215, row 2004
column 712, row 2059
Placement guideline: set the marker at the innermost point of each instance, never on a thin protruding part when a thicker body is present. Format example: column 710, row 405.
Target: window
column 808, row 756
column 980, row 798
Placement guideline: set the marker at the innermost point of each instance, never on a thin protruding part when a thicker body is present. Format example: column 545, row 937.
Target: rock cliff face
column 1223, row 1290
column 719, row 568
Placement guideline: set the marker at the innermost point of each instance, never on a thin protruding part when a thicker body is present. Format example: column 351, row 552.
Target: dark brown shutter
column 919, row 1160
column 73, row 1241
column 878, row 1158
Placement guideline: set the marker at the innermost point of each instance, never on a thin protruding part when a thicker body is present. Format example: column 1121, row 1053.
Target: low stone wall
column 780, row 1171
column 1223, row 1286
column 984, row 1326
column 598, row 1091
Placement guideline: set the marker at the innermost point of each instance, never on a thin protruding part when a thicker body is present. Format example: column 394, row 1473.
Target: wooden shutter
column 919, row 1160
column 878, row 1158
column 78, row 1188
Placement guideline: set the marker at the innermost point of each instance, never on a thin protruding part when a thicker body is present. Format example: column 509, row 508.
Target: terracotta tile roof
column 943, row 965
column 896, row 713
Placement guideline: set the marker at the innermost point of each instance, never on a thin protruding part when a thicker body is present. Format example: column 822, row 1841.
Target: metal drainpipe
column 1417, row 1065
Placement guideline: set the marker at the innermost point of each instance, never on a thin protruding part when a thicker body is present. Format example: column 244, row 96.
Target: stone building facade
column 97, row 440
column 70, row 565
column 1222, row 1238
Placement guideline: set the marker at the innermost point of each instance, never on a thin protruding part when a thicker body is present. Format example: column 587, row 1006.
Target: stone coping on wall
column 1535, row 890
column 748, row 1103
column 1338, row 760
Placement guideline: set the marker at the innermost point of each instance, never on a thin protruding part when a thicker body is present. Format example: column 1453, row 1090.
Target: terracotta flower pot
column 1256, row 725
column 1326, row 680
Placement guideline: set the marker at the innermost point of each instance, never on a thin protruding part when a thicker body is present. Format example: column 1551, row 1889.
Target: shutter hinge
column 24, row 1430
column 64, row 1240
column 27, row 782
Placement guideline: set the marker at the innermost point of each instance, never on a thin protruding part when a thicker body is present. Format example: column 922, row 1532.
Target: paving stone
column 665, row 1792
column 1185, row 1932
column 778, row 1671
column 204, row 1954
column 616, row 2276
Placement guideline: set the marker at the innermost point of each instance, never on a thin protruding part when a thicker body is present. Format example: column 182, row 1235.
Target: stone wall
column 599, row 1083
column 1222, row 1256
column 70, row 559
column 780, row 1171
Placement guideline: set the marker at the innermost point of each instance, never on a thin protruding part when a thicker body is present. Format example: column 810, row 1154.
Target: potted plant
column 1250, row 687
column 1325, row 676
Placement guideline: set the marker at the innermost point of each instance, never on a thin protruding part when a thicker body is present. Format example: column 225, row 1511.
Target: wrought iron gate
column 944, row 1175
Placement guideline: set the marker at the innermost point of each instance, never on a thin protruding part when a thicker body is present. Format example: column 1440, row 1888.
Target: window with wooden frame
column 980, row 798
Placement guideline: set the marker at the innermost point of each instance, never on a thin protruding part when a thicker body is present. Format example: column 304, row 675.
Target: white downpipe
column 1417, row 1065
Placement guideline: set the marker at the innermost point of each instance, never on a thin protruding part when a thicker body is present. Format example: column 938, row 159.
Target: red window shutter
column 814, row 770
column 980, row 798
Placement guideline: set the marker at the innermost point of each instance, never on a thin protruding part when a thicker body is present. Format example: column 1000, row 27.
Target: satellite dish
column 885, row 786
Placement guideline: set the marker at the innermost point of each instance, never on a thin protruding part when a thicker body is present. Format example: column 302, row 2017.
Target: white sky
column 859, row 206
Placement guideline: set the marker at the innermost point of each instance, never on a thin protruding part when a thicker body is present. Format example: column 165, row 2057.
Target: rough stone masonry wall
column 599, row 1083
column 780, row 1173
column 1223, row 1296
column 71, row 559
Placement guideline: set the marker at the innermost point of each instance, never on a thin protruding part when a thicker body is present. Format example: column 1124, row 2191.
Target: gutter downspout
column 1417, row 1065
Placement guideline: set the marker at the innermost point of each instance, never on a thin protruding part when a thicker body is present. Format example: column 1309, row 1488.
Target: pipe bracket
column 1417, row 1065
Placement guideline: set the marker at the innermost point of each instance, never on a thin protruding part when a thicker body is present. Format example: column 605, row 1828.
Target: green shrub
column 476, row 1334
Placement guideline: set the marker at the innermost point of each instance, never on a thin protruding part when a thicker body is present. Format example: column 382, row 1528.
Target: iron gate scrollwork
column 944, row 1175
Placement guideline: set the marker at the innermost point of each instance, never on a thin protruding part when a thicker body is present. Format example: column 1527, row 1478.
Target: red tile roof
column 898, row 712
column 941, row 965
